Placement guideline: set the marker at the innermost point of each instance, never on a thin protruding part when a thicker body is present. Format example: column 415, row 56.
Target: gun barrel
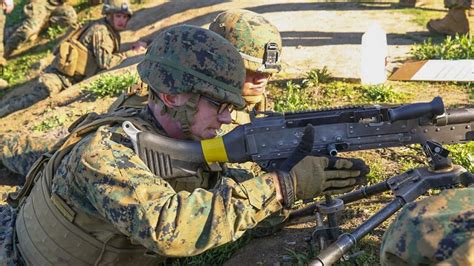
column 456, row 116
column 334, row 252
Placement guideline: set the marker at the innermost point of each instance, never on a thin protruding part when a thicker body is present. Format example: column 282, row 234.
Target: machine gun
column 269, row 140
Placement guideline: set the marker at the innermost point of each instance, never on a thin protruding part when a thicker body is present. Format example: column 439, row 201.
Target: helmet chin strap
column 183, row 114
column 251, row 99
column 110, row 19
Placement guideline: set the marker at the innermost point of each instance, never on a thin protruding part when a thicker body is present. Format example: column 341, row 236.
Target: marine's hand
column 139, row 47
column 314, row 176
column 286, row 186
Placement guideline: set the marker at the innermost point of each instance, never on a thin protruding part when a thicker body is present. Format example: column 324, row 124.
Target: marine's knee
column 51, row 82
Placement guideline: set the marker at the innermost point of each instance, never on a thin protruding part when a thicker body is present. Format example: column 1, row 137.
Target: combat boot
column 455, row 22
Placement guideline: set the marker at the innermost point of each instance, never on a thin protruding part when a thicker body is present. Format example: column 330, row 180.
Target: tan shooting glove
column 314, row 176
column 302, row 176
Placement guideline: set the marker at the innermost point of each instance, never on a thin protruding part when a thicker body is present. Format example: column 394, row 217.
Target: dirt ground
column 315, row 34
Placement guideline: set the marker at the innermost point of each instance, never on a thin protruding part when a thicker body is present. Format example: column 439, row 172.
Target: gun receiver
column 269, row 140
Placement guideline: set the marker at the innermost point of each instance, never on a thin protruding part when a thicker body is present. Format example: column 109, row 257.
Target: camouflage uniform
column 103, row 180
column 436, row 230
column 133, row 191
column 95, row 201
column 103, row 43
column 7, row 223
column 38, row 14
column 252, row 35
column 20, row 151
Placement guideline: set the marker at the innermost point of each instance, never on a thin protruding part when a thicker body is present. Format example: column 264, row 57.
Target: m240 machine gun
column 268, row 141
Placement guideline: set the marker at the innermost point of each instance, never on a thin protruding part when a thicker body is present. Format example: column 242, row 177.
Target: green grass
column 300, row 257
column 378, row 172
column 17, row 69
column 81, row 6
column 381, row 94
column 50, row 123
column 54, row 32
column 458, row 47
column 294, row 98
column 108, row 85
column 318, row 90
column 316, row 76
column 463, row 154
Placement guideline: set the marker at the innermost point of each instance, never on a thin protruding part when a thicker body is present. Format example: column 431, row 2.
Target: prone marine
column 84, row 52
column 97, row 194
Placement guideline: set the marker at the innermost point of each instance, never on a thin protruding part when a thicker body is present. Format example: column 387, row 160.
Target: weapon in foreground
column 269, row 140
column 407, row 187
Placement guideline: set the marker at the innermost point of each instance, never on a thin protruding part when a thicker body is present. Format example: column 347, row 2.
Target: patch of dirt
column 315, row 33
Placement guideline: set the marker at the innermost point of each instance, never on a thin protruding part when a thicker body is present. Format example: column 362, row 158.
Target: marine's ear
column 174, row 100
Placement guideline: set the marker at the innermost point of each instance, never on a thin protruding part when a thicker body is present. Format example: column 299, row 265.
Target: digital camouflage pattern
column 20, row 151
column 38, row 15
column 249, row 32
column 466, row 4
column 7, row 223
column 99, row 38
column 110, row 182
column 436, row 230
column 191, row 59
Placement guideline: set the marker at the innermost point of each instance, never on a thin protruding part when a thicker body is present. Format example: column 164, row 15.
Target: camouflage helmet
column 257, row 40
column 186, row 59
column 117, row 6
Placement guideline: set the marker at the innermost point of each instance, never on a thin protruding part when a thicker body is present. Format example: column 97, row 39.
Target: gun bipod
column 406, row 187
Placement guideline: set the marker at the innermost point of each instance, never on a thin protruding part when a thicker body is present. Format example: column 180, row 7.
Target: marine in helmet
column 436, row 230
column 259, row 43
column 97, row 202
column 85, row 51
column 40, row 14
